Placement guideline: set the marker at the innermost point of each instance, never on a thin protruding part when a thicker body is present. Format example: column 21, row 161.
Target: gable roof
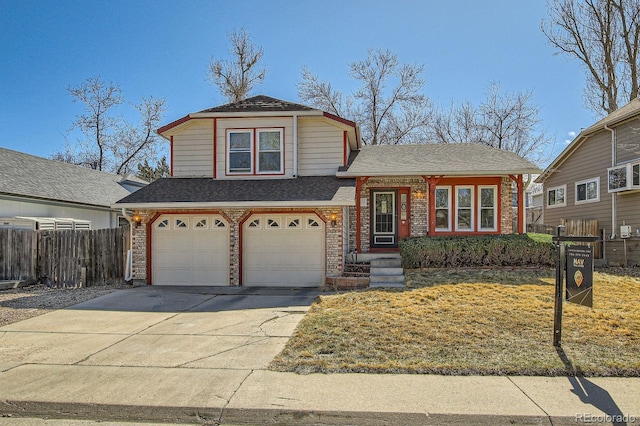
column 256, row 105
column 29, row 176
column 207, row 192
column 627, row 112
column 260, row 103
column 460, row 159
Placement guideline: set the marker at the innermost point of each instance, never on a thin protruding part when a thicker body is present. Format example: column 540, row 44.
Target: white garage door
column 190, row 250
column 283, row 251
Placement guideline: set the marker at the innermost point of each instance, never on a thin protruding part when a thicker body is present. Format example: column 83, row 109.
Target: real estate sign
column 579, row 287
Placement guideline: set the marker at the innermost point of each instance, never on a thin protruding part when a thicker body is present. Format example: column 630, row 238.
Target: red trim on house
column 339, row 119
column 215, row 148
column 269, row 211
column 171, row 156
column 520, row 186
column 345, row 140
column 254, row 130
column 173, row 124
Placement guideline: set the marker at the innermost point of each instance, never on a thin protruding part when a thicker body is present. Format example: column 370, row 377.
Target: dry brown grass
column 470, row 322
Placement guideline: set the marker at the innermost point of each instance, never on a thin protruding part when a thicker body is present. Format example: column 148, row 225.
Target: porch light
column 136, row 220
column 419, row 193
column 333, row 218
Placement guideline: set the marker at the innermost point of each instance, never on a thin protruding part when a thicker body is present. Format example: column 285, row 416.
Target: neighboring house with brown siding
column 266, row 192
column 596, row 178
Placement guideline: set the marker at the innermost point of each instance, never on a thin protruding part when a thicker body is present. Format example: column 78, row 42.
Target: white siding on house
column 193, row 150
column 224, row 124
column 320, row 148
column 100, row 218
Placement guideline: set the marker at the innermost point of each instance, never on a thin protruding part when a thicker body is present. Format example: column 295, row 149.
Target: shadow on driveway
column 199, row 299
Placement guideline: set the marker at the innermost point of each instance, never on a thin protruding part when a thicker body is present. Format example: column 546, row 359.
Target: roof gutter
column 236, row 204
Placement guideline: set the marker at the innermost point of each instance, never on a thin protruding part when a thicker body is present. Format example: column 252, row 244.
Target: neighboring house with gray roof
column 596, row 181
column 266, row 192
column 36, row 187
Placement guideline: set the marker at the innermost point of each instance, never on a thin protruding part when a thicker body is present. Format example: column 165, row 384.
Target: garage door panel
column 192, row 255
column 289, row 256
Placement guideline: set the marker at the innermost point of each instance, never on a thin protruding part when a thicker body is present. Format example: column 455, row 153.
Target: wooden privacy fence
column 584, row 228
column 64, row 258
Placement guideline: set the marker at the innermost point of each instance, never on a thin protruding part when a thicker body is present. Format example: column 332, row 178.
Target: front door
column 389, row 217
column 384, row 219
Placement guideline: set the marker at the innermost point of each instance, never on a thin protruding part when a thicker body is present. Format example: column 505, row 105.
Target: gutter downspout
column 295, row 145
column 129, row 267
column 614, row 195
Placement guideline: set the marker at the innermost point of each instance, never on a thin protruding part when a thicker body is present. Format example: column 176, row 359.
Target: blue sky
column 162, row 48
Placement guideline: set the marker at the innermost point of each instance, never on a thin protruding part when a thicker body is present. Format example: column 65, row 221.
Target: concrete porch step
column 386, row 271
column 387, row 278
column 386, row 263
column 386, row 285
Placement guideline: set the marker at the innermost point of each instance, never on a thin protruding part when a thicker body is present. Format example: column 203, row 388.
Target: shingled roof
column 259, row 103
column 29, row 176
column 462, row 159
column 196, row 192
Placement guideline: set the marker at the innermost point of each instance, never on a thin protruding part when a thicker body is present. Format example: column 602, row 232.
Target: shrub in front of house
column 476, row 251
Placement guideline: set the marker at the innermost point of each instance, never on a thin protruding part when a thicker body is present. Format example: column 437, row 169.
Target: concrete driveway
column 196, row 327
column 146, row 347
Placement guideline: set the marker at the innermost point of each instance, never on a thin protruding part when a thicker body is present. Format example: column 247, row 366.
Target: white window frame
column 586, row 183
column 258, row 151
column 495, row 207
column 555, row 188
column 470, row 208
column 629, row 169
column 230, row 171
column 448, row 228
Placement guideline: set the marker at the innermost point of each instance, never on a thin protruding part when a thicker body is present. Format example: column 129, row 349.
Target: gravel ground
column 27, row 302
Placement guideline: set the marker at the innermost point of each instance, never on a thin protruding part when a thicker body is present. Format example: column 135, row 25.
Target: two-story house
column 596, row 179
column 266, row 192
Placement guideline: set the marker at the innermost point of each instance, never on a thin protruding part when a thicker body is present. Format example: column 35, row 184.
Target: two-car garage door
column 278, row 250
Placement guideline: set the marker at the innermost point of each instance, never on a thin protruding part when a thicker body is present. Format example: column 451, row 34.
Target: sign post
column 577, row 262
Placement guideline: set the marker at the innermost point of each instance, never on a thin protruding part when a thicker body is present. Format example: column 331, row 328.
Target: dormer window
column 255, row 151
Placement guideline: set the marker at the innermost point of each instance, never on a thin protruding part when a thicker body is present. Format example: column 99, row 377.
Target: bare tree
column 507, row 121
column 388, row 105
column 111, row 143
column 605, row 36
column 236, row 77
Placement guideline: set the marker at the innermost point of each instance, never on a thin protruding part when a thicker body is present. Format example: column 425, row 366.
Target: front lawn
column 470, row 322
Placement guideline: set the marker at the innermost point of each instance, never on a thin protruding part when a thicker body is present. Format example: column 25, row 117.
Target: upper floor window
column 255, row 151
column 624, row 177
column 556, row 197
column 588, row 191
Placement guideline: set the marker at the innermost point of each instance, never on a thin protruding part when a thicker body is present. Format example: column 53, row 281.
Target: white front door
column 283, row 250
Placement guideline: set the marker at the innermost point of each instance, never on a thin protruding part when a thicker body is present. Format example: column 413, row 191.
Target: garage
column 190, row 250
column 283, row 250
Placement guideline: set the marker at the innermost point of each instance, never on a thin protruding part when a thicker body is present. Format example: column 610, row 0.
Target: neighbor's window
column 464, row 208
column 556, row 197
column 588, row 191
column 240, row 144
column 269, row 151
column 488, row 208
column 443, row 201
column 624, row 177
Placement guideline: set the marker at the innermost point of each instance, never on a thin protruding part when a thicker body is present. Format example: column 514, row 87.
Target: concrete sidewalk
column 201, row 355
